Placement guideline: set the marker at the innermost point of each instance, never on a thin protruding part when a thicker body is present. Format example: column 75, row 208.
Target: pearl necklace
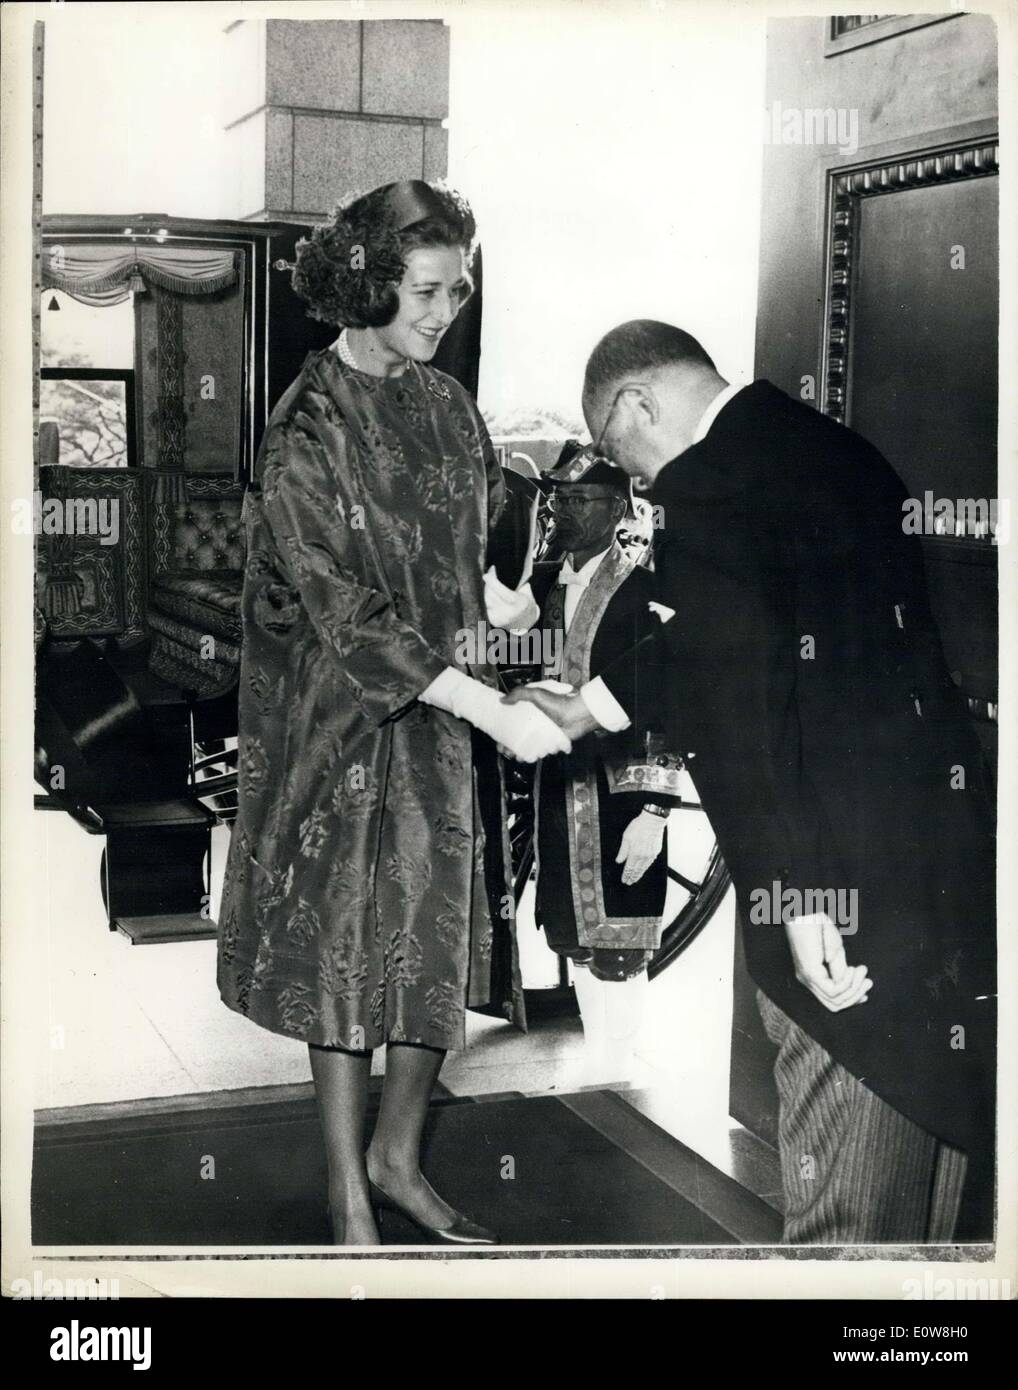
column 346, row 354
column 437, row 388
column 343, row 348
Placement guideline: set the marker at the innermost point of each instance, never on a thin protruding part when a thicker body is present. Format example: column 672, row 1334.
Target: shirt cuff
column 604, row 706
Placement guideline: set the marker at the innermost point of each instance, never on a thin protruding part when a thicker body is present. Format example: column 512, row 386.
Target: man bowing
column 836, row 761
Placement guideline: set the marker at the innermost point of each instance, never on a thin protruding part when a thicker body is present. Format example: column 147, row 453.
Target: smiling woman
column 367, row 874
column 435, row 287
column 351, row 269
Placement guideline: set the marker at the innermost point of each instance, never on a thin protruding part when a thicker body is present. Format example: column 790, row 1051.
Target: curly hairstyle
column 349, row 269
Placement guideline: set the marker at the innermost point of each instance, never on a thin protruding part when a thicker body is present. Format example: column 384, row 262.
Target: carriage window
column 86, row 395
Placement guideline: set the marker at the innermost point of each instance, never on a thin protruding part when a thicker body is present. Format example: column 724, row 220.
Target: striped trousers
column 854, row 1170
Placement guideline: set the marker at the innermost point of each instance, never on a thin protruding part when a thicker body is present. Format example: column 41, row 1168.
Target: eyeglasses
column 608, row 418
column 639, row 484
column 568, row 501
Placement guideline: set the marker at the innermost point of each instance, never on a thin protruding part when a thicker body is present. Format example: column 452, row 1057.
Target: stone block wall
column 323, row 107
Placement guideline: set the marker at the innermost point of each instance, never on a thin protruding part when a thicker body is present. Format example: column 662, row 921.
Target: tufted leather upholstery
column 205, row 533
column 196, row 565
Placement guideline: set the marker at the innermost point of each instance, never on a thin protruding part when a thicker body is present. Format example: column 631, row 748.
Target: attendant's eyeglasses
column 561, row 501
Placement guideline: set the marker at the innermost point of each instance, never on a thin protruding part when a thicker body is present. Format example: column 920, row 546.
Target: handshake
column 551, row 709
column 531, row 723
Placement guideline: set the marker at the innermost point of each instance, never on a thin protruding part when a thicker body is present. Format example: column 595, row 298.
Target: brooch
column 439, row 389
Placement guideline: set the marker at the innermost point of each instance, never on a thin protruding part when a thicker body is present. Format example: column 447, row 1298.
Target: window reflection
column 91, row 422
column 86, row 392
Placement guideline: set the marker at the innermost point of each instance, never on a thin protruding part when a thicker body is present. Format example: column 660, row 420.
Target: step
column 721, row 1198
column 726, row 1144
column 166, row 926
column 177, row 813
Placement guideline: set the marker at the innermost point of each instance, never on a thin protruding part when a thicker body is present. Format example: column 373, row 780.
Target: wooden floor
column 589, row 1169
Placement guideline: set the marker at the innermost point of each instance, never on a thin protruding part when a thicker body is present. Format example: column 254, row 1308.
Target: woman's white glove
column 515, row 609
column 523, row 730
column 641, row 845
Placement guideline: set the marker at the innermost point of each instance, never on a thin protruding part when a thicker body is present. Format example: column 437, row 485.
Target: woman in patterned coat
column 356, row 908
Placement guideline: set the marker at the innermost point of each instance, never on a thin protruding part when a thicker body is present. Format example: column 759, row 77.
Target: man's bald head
column 646, row 385
column 634, row 351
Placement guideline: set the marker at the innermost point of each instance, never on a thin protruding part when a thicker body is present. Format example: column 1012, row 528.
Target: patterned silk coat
column 356, row 907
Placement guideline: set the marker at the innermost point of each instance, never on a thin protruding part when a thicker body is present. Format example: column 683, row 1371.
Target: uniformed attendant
column 601, row 809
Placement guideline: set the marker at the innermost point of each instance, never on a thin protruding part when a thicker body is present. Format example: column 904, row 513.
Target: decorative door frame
column 949, row 161
column 846, row 188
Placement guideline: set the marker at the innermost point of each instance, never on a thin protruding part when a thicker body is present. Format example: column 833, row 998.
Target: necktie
column 568, row 577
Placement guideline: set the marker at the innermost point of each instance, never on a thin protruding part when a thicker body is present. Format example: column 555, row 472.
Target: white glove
column 523, row 730
column 641, row 845
column 515, row 609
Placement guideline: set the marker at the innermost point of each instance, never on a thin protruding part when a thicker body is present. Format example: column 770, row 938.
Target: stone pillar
column 320, row 108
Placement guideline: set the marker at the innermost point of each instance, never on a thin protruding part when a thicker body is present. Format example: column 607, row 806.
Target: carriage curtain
column 189, row 356
column 163, row 280
column 108, row 274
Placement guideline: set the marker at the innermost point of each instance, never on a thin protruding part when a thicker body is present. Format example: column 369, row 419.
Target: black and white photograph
column 508, row 586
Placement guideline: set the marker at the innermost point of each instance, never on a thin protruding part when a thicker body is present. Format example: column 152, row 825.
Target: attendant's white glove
column 523, row 730
column 515, row 609
column 641, row 845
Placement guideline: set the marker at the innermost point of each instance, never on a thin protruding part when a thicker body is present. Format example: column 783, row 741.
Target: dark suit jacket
column 805, row 674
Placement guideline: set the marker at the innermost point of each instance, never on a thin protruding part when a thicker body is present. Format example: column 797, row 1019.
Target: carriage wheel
column 698, row 880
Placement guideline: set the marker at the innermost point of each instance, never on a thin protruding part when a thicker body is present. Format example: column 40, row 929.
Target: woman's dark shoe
column 462, row 1231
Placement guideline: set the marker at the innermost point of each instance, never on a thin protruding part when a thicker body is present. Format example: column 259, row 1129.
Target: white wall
column 611, row 151
column 613, row 158
column 133, row 95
